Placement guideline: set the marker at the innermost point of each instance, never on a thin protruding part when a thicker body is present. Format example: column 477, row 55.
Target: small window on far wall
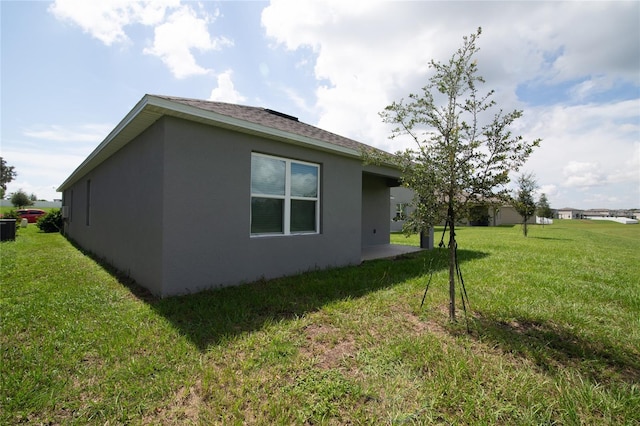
column 71, row 207
column 285, row 196
column 88, row 202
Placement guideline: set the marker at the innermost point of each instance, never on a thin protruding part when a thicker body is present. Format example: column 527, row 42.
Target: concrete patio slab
column 385, row 251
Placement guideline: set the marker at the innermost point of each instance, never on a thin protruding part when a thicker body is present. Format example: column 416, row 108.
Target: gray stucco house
column 185, row 195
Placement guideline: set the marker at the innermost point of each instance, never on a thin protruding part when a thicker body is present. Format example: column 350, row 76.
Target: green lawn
column 555, row 338
column 7, row 209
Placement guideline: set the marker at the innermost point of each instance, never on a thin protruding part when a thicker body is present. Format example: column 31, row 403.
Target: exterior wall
column 399, row 195
column 125, row 217
column 207, row 241
column 172, row 210
column 507, row 215
column 375, row 210
column 569, row 214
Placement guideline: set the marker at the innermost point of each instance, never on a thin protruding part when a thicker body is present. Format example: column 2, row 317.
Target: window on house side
column 88, row 202
column 401, row 212
column 71, row 207
column 284, row 196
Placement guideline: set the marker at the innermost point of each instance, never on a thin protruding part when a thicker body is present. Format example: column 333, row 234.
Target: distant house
column 506, row 215
column 570, row 213
column 185, row 195
column 401, row 207
column 597, row 213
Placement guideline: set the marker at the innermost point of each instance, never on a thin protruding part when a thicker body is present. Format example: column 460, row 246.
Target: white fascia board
column 100, row 153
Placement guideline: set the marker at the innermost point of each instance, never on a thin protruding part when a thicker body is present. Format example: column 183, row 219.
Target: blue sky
column 71, row 70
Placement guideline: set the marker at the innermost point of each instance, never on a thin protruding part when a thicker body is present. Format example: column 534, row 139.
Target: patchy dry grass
column 555, row 338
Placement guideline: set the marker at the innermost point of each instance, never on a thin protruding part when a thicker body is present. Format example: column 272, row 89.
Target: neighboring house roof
column 246, row 119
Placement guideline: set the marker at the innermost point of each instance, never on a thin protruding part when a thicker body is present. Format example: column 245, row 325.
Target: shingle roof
column 248, row 119
column 269, row 118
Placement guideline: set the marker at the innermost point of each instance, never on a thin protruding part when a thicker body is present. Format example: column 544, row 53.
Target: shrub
column 20, row 199
column 51, row 222
column 12, row 214
column 479, row 215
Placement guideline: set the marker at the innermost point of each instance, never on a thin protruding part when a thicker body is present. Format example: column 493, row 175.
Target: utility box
column 7, row 229
column 426, row 239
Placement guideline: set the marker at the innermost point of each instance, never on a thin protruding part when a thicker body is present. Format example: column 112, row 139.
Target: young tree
column 543, row 208
column 20, row 199
column 7, row 174
column 523, row 201
column 464, row 149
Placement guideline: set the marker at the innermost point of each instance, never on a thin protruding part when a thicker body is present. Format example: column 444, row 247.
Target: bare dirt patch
column 328, row 346
column 184, row 409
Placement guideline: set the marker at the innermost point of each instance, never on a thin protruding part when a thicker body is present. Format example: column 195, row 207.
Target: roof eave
column 151, row 108
column 189, row 112
column 116, row 139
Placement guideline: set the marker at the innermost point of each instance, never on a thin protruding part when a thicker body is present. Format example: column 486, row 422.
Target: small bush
column 479, row 215
column 51, row 222
column 12, row 214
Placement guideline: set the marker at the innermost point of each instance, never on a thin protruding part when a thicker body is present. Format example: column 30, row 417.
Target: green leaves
column 51, row 222
column 523, row 201
column 460, row 155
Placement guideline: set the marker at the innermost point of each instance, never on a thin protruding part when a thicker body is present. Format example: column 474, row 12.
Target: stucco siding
column 507, row 215
column 125, row 216
column 399, row 195
column 167, row 196
column 375, row 210
column 207, row 241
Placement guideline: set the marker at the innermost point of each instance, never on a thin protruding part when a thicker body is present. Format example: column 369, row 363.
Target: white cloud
column 585, row 145
column 370, row 54
column 226, row 92
column 629, row 170
column 106, row 19
column 178, row 29
column 374, row 53
column 41, row 172
column 550, row 190
column 82, row 133
column 299, row 101
column 583, row 174
column 183, row 31
column 595, row 85
column 46, row 155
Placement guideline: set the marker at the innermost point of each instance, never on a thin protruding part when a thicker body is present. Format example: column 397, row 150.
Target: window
column 285, row 196
column 88, row 202
column 401, row 212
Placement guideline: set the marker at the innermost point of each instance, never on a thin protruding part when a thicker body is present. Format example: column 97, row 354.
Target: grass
column 554, row 319
column 6, row 209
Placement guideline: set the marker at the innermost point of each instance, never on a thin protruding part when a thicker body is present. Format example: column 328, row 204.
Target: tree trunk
column 452, row 267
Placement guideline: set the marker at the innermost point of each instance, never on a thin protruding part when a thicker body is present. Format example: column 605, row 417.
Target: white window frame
column 287, row 197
